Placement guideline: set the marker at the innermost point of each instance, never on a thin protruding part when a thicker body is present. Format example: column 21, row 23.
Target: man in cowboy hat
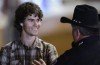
column 85, row 30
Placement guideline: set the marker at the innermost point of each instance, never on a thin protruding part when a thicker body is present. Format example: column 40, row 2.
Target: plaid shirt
column 16, row 53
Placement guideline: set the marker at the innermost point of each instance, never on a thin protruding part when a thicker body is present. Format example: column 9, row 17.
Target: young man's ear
column 21, row 24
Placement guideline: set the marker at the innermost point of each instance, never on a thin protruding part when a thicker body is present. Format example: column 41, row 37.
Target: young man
column 86, row 33
column 28, row 49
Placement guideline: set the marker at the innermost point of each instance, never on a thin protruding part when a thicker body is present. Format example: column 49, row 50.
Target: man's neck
column 28, row 40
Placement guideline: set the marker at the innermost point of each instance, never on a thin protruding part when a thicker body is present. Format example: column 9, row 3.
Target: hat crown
column 86, row 15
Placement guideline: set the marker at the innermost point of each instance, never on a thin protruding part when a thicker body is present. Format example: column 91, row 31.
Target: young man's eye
column 31, row 20
column 37, row 19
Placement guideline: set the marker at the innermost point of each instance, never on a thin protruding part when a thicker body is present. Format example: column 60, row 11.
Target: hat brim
column 67, row 20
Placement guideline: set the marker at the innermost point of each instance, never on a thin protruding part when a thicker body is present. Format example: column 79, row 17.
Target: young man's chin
column 34, row 34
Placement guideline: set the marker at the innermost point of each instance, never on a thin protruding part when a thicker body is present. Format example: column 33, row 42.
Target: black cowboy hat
column 85, row 16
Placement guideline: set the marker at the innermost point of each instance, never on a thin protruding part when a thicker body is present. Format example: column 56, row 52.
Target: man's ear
column 21, row 24
column 77, row 34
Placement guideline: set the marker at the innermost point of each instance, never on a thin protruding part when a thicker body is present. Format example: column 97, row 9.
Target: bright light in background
column 1, row 3
column 3, row 18
column 3, row 21
column 35, row 1
column 49, row 7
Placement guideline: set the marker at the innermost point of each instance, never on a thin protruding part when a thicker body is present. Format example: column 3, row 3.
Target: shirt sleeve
column 53, row 54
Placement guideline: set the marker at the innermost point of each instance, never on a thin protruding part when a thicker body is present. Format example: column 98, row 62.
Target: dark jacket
column 86, row 52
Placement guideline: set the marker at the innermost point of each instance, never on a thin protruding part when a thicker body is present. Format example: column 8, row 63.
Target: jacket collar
column 86, row 41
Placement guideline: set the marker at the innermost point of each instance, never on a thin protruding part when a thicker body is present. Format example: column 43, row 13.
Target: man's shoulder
column 9, row 45
column 46, row 43
column 6, row 47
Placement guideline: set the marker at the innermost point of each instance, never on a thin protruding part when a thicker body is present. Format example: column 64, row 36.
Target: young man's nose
column 35, row 23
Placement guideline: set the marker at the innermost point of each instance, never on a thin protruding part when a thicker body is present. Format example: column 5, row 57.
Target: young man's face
column 31, row 25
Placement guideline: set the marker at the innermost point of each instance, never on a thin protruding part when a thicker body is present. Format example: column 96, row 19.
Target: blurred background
column 52, row 30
